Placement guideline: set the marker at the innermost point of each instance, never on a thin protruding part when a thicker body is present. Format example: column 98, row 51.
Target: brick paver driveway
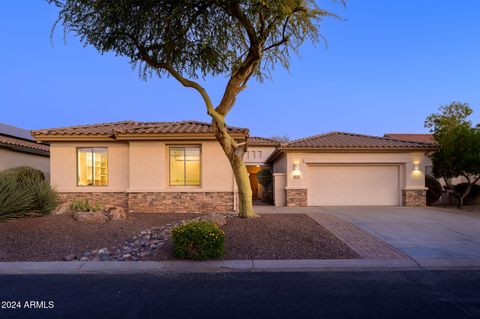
column 422, row 233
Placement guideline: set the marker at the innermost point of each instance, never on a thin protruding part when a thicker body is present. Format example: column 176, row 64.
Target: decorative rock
column 102, row 251
column 117, row 214
column 90, row 217
column 62, row 209
column 69, row 257
column 216, row 218
column 126, row 256
column 84, row 259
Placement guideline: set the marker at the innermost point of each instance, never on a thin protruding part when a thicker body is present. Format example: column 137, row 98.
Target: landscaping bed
column 273, row 236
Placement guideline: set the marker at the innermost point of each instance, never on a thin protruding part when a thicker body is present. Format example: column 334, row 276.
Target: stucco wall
column 63, row 167
column 9, row 158
column 149, row 168
column 256, row 155
column 140, row 166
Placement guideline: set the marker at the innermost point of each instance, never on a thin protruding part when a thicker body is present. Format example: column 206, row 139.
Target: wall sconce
column 296, row 170
column 416, row 169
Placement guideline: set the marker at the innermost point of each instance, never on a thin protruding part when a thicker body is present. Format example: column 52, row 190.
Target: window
column 185, row 166
column 92, row 166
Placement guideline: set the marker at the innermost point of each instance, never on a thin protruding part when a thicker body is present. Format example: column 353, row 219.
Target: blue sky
column 387, row 66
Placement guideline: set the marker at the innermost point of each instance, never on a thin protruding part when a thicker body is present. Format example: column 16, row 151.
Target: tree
column 458, row 152
column 191, row 39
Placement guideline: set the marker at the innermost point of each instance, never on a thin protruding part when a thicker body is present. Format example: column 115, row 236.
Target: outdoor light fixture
column 416, row 167
column 296, row 170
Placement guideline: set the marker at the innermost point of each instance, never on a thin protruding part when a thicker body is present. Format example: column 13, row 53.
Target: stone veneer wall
column 414, row 198
column 181, row 202
column 171, row 202
column 296, row 197
column 104, row 198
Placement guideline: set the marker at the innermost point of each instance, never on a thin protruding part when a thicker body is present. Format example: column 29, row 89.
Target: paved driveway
column 422, row 233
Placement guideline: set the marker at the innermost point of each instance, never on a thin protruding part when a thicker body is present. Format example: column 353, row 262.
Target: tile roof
column 24, row 145
column 133, row 127
column 423, row 138
column 256, row 140
column 345, row 141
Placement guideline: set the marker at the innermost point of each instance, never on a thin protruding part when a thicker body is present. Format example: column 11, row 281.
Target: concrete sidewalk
column 116, row 267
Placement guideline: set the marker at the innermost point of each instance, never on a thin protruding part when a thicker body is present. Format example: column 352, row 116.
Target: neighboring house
column 180, row 167
column 143, row 166
column 337, row 169
column 18, row 148
column 258, row 150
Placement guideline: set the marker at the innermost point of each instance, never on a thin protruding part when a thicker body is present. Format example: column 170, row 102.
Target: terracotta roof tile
column 341, row 140
column 422, row 138
column 256, row 140
column 133, row 127
column 24, row 145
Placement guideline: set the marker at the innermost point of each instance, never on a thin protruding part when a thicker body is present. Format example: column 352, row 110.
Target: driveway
column 422, row 233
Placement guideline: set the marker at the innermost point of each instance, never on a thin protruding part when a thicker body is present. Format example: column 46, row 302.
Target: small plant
column 200, row 240
column 83, row 205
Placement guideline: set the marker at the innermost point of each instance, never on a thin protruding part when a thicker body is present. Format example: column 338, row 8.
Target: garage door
column 353, row 185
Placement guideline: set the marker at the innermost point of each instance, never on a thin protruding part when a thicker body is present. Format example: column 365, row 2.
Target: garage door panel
column 353, row 185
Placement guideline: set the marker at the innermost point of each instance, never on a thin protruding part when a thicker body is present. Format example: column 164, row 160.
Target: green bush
column 23, row 192
column 198, row 241
column 474, row 191
column 434, row 189
column 83, row 205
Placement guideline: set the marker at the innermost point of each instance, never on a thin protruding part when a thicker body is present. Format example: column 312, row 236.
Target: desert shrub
column 434, row 190
column 24, row 191
column 25, row 173
column 198, row 241
column 474, row 191
column 83, row 205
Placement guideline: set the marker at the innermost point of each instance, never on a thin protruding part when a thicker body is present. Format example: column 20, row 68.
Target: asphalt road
column 406, row 295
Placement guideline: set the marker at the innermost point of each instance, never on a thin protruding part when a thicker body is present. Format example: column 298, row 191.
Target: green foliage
column 280, row 138
column 265, row 177
column 434, row 189
column 458, row 152
column 83, row 205
column 24, row 192
column 195, row 37
column 200, row 240
column 472, row 195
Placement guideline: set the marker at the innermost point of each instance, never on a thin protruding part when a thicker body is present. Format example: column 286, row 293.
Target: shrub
column 434, row 189
column 83, row 205
column 265, row 177
column 198, row 241
column 474, row 191
column 24, row 191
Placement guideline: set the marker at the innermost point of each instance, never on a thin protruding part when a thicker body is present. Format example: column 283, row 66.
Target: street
column 407, row 294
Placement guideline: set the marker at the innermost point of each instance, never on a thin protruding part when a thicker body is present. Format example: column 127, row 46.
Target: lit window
column 92, row 167
column 185, row 166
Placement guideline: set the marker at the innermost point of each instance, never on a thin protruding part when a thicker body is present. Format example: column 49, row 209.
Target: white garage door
column 344, row 185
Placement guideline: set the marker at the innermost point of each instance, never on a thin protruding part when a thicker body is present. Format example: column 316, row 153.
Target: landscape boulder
column 217, row 218
column 117, row 213
column 62, row 209
column 90, row 217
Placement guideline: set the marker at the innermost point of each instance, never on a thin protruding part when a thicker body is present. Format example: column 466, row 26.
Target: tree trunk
column 461, row 197
column 235, row 157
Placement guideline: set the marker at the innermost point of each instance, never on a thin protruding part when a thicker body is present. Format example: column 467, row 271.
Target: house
column 180, row 167
column 18, row 148
column 336, row 169
column 143, row 166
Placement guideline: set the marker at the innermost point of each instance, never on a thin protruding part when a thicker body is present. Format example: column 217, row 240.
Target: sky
column 388, row 65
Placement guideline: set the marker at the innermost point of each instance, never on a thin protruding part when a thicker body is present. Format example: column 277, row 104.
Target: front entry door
column 254, row 184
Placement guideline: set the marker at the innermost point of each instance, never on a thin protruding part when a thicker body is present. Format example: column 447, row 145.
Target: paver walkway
column 363, row 243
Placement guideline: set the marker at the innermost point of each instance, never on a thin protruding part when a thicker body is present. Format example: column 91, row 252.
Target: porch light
column 416, row 167
column 296, row 170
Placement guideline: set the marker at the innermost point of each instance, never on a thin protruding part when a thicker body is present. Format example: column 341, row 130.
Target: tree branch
column 185, row 82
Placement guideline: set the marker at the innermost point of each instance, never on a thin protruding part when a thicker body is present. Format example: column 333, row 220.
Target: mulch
column 273, row 236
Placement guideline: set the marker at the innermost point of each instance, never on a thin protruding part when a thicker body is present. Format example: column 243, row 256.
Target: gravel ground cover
column 273, row 236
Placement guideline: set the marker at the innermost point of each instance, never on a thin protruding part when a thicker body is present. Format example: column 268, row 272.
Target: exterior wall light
column 296, row 170
column 416, row 167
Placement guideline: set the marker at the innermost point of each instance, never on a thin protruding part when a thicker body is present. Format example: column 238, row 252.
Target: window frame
column 185, row 146
column 108, row 165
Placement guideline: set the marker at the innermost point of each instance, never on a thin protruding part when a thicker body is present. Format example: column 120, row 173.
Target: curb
column 132, row 267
